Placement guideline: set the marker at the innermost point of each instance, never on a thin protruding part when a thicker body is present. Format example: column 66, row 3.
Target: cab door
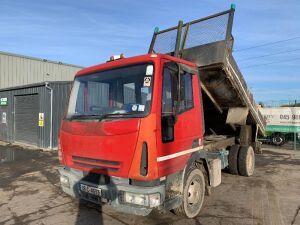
column 181, row 118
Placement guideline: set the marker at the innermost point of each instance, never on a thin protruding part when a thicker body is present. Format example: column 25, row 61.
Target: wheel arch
column 201, row 162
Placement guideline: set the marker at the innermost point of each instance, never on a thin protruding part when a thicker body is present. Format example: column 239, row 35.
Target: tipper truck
column 155, row 131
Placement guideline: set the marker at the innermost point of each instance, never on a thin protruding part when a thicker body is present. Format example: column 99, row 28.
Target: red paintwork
column 113, row 140
column 131, row 60
column 187, row 128
column 121, row 140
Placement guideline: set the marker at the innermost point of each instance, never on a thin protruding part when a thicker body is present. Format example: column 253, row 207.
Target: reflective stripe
column 177, row 154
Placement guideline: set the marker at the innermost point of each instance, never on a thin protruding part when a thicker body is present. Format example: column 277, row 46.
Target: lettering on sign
column 3, row 101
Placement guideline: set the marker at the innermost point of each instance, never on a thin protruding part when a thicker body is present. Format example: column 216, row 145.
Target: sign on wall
column 3, row 118
column 282, row 119
column 3, row 101
column 41, row 119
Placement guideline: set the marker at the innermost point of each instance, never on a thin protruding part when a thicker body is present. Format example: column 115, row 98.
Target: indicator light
column 65, row 181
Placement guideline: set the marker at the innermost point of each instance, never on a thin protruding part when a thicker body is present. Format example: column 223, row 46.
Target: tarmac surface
column 30, row 194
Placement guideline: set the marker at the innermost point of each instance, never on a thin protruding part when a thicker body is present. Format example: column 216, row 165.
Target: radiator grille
column 98, row 164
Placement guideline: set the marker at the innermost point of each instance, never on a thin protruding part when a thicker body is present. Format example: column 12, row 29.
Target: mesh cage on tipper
column 208, row 42
column 210, row 33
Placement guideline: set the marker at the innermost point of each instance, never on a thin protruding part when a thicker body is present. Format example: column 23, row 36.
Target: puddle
column 9, row 154
column 15, row 162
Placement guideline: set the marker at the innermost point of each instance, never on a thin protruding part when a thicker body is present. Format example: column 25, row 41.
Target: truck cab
column 128, row 120
column 154, row 131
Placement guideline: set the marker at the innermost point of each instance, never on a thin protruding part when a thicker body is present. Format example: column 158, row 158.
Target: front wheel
column 193, row 194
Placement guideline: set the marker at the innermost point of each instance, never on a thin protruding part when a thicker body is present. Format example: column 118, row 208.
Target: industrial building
column 33, row 96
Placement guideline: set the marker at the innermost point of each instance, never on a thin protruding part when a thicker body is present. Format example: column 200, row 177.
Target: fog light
column 64, row 181
column 154, row 200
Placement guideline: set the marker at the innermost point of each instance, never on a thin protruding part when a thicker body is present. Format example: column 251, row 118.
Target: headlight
column 137, row 199
column 151, row 200
column 64, row 181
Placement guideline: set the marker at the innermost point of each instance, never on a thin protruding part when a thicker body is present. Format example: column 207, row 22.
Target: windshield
column 125, row 91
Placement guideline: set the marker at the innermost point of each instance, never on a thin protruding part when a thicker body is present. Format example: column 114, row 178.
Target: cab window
column 186, row 92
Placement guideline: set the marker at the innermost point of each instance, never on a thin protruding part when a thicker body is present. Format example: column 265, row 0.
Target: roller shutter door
column 26, row 118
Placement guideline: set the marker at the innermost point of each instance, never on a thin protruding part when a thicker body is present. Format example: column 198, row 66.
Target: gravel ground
column 30, row 194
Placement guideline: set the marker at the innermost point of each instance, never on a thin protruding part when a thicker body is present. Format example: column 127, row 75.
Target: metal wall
column 60, row 97
column 60, row 100
column 17, row 70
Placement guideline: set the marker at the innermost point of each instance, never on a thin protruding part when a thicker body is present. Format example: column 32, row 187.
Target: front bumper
column 112, row 192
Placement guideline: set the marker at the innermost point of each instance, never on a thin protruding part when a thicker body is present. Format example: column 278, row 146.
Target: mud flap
column 237, row 115
column 215, row 172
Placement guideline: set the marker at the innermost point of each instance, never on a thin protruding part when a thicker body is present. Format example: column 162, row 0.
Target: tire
column 246, row 162
column 193, row 194
column 278, row 139
column 233, row 159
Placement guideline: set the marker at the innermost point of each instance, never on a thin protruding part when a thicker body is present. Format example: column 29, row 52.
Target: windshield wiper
column 85, row 116
column 118, row 115
column 103, row 116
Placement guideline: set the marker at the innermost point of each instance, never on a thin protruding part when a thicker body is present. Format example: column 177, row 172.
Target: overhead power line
column 276, row 53
column 264, row 64
column 266, row 44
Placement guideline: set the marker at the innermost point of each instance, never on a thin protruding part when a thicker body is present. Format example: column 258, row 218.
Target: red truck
column 155, row 131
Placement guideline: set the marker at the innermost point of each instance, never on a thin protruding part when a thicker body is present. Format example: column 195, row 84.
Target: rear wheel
column 233, row 159
column 246, row 161
column 193, row 194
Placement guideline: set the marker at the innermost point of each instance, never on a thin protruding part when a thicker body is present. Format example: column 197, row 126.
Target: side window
column 186, row 100
column 167, row 98
column 169, row 92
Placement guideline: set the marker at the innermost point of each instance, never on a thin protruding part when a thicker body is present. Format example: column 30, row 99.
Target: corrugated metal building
column 19, row 70
column 33, row 92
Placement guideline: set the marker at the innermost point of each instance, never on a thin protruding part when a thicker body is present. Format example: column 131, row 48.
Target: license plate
column 90, row 190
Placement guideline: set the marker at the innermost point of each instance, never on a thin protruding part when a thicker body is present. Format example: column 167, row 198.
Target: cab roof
column 132, row 60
